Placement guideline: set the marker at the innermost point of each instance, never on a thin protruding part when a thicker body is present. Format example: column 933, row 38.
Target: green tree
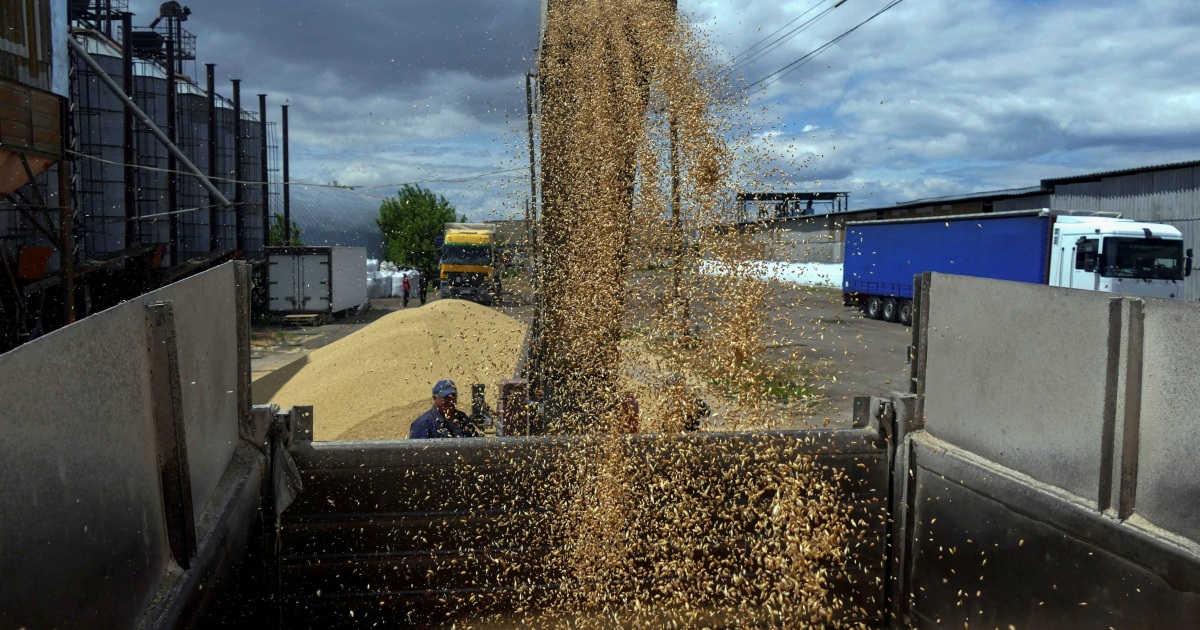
column 276, row 238
column 411, row 222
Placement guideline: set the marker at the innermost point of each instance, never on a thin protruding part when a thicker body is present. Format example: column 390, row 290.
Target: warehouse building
column 1168, row 193
column 331, row 215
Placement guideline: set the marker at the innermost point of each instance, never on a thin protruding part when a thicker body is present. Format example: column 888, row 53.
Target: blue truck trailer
column 1057, row 248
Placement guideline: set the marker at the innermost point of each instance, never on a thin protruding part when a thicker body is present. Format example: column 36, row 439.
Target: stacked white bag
column 385, row 279
column 378, row 284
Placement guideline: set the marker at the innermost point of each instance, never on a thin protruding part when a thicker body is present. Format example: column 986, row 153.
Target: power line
column 443, row 180
column 786, row 36
column 774, row 77
column 773, row 33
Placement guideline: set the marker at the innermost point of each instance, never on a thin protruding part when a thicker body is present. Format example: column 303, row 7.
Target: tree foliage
column 276, row 237
column 411, row 222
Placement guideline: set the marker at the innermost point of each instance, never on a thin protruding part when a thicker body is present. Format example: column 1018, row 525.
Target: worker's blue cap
column 444, row 389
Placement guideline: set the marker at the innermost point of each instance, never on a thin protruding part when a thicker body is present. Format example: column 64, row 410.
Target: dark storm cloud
column 362, row 48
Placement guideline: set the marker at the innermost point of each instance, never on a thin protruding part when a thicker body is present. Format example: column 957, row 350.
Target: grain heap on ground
column 371, row 385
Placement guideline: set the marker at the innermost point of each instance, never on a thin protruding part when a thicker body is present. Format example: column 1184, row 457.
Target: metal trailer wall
column 1053, row 485
column 100, row 184
column 109, row 426
column 399, row 555
column 150, row 94
column 194, row 200
column 349, row 288
column 316, row 279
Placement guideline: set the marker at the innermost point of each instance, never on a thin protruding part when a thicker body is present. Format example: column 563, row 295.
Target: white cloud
column 931, row 98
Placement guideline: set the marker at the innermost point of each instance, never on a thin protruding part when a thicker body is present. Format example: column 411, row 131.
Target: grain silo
column 253, row 200
column 150, row 94
column 99, row 127
column 192, row 137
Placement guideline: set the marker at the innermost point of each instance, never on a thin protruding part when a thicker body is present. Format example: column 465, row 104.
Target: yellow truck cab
column 468, row 263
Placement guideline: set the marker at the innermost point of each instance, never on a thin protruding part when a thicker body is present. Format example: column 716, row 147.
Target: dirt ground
column 850, row 355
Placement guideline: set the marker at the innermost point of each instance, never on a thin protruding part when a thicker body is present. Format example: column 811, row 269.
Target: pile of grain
column 371, row 385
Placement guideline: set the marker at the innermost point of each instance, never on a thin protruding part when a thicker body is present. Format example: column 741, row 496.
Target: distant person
column 407, row 287
column 684, row 408
column 444, row 420
column 422, row 284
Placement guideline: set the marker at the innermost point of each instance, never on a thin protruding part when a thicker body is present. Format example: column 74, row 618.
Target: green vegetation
column 277, row 236
column 411, row 222
column 780, row 382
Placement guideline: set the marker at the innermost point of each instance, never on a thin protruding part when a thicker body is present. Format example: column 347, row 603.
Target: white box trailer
column 315, row 280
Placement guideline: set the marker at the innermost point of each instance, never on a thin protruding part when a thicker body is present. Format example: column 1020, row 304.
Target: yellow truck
column 469, row 265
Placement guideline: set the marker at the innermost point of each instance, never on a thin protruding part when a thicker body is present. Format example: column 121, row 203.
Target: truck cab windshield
column 1144, row 258
column 463, row 254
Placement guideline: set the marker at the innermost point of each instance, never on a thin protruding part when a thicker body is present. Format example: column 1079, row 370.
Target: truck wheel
column 874, row 307
column 905, row 314
column 889, row 310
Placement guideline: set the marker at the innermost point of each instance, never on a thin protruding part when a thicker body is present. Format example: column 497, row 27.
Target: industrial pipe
column 239, row 213
column 264, row 173
column 287, row 183
column 172, row 135
column 145, row 120
column 132, row 225
column 214, row 216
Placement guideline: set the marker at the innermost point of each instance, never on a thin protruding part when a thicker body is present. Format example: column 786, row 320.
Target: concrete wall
column 1076, row 389
column 83, row 536
column 1016, row 375
column 1054, row 484
column 1168, row 444
column 808, row 239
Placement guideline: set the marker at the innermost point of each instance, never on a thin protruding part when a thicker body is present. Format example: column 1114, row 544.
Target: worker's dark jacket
column 431, row 424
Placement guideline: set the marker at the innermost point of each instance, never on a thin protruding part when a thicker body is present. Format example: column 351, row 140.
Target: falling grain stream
column 635, row 170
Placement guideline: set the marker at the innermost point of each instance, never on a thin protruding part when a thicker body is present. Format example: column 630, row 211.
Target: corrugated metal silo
column 224, row 174
column 192, row 135
column 252, row 193
column 150, row 94
column 99, row 120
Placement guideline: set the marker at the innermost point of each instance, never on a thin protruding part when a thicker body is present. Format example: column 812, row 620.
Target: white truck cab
column 1118, row 256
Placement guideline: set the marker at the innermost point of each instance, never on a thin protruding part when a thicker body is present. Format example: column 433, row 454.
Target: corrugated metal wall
column 1170, row 195
column 337, row 216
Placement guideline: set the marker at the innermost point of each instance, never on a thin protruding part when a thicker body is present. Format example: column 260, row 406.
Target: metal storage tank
column 224, row 174
column 150, row 94
column 99, row 126
column 252, row 193
column 191, row 133
column 337, row 216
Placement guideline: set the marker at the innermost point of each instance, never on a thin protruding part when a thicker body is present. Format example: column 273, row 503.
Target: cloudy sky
column 930, row 98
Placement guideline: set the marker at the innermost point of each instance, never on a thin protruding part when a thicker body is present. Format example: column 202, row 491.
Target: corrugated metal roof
column 1047, row 183
column 975, row 196
column 336, row 216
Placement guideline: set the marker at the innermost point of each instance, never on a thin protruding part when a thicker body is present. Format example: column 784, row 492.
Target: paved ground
column 851, row 355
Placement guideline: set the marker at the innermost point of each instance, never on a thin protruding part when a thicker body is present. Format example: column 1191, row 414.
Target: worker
column 685, row 409
column 422, row 284
column 444, row 420
column 407, row 288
